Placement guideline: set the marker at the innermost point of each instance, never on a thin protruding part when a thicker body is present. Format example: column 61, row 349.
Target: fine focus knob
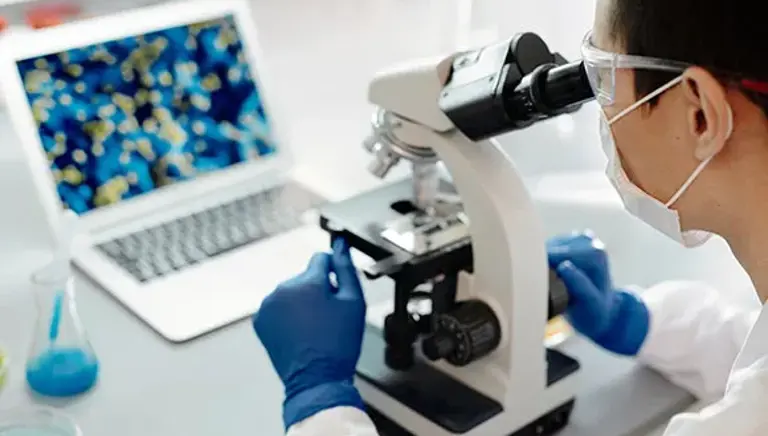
column 558, row 295
column 438, row 346
column 465, row 334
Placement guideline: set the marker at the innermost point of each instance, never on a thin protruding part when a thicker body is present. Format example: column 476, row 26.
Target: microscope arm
column 481, row 94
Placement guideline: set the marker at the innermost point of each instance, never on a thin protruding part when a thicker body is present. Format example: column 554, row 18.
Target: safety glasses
column 601, row 68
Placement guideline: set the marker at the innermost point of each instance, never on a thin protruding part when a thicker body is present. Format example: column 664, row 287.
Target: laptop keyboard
column 175, row 245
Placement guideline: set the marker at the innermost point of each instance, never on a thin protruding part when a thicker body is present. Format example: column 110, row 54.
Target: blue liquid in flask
column 62, row 372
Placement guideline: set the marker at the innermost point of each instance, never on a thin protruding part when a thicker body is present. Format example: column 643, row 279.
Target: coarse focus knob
column 464, row 335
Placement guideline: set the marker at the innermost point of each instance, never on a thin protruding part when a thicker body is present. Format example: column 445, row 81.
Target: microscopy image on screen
column 126, row 117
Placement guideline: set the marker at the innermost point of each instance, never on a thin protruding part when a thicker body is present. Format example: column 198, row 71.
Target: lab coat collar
column 755, row 348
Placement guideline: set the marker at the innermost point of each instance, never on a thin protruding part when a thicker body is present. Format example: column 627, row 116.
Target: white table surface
column 321, row 55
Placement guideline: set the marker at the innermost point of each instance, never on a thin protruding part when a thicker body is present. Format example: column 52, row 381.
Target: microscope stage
column 383, row 224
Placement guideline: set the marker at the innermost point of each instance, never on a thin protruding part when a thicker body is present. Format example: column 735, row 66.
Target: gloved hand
column 613, row 318
column 313, row 332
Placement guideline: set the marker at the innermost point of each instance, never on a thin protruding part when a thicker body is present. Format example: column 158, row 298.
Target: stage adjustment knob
column 465, row 334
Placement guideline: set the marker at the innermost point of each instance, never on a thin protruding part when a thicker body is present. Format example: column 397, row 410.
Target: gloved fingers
column 589, row 233
column 349, row 287
column 581, row 257
column 566, row 247
column 580, row 288
column 575, row 241
column 565, row 239
column 559, row 242
column 319, row 265
column 583, row 250
column 557, row 256
column 316, row 273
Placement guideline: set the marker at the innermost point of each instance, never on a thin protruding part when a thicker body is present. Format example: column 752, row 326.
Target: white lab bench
column 322, row 54
column 222, row 383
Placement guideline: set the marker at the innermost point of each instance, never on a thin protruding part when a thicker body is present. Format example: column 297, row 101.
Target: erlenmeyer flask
column 61, row 362
column 37, row 421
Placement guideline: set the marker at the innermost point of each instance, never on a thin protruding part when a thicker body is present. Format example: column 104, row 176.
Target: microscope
column 462, row 352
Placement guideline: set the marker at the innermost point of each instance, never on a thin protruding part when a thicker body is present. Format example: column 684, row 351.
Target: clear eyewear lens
column 603, row 83
column 601, row 68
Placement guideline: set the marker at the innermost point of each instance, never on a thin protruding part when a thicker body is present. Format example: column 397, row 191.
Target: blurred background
column 321, row 55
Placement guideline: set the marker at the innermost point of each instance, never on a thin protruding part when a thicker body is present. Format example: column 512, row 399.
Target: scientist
column 683, row 90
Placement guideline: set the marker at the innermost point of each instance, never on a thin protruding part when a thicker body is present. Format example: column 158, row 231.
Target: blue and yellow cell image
column 122, row 118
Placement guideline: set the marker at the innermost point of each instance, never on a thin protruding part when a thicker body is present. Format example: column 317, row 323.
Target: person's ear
column 709, row 115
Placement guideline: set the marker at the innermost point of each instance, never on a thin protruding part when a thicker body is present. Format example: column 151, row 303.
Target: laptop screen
column 126, row 117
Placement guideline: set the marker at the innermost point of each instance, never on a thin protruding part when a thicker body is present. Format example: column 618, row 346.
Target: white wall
column 326, row 52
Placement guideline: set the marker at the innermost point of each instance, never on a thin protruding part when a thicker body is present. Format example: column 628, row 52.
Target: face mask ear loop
column 688, row 182
column 701, row 166
column 646, row 99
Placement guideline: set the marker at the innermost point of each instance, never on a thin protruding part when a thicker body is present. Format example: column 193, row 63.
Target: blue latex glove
column 313, row 333
column 614, row 319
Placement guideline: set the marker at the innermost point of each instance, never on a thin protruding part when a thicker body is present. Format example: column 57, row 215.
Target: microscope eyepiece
column 563, row 88
column 549, row 91
column 510, row 86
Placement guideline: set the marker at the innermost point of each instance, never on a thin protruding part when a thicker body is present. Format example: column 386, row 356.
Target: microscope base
column 547, row 425
column 445, row 401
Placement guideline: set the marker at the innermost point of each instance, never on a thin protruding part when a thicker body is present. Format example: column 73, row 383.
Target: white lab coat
column 694, row 340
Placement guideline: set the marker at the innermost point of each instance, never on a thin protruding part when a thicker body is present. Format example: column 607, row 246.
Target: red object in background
column 41, row 21
column 3, row 24
column 51, row 15
column 66, row 9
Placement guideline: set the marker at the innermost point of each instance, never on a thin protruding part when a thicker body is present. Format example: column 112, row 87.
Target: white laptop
column 156, row 127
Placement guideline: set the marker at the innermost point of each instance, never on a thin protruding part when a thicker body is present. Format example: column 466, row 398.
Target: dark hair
column 727, row 37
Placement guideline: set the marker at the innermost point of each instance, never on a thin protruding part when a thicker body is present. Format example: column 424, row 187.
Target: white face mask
column 640, row 204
